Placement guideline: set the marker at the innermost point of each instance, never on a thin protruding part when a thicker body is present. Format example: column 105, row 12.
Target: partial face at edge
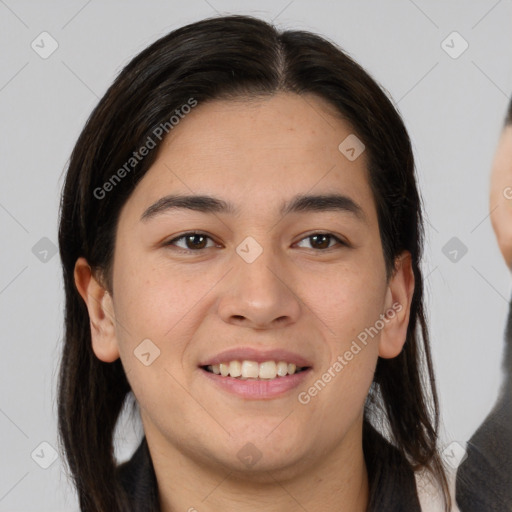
column 501, row 195
column 308, row 282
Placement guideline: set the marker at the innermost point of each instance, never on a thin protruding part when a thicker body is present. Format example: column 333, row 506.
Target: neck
column 336, row 481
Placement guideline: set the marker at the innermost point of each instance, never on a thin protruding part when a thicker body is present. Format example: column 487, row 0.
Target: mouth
column 255, row 375
column 261, row 379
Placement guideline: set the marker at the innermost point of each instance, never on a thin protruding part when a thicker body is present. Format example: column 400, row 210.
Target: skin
column 501, row 195
column 313, row 301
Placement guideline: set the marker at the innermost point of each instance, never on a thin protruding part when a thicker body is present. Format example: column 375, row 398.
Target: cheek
column 335, row 399
column 150, row 311
column 346, row 300
column 151, row 300
column 163, row 305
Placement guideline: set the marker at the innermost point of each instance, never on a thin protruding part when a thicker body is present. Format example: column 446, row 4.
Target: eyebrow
column 299, row 203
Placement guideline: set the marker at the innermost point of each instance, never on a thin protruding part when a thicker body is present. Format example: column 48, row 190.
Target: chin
column 256, row 458
column 268, row 468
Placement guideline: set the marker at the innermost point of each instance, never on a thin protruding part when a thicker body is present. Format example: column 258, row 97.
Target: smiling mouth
column 252, row 370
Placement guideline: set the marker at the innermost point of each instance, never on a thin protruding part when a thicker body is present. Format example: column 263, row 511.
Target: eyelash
column 198, row 233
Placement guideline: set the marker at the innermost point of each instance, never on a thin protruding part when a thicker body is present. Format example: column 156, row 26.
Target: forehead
column 268, row 127
column 257, row 152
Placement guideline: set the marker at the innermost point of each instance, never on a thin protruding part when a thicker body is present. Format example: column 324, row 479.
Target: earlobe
column 398, row 306
column 101, row 312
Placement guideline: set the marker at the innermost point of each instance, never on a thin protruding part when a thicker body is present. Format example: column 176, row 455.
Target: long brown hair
column 229, row 57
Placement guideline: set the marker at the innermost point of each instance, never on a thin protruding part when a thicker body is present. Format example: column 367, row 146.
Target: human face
column 501, row 194
column 260, row 284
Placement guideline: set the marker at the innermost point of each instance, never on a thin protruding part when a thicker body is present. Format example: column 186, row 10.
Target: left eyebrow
column 299, row 203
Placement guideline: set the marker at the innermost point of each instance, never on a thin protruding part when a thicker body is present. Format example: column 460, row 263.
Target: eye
column 323, row 240
column 191, row 241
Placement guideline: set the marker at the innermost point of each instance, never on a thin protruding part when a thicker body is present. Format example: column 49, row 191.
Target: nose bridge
column 257, row 267
column 257, row 291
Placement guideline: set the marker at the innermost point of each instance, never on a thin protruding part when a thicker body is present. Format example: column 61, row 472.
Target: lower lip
column 258, row 389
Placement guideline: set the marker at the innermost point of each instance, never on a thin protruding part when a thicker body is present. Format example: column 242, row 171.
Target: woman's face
column 269, row 279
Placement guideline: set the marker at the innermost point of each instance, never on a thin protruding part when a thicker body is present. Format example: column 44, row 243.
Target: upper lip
column 257, row 355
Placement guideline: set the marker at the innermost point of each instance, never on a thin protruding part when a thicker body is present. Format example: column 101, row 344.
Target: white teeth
column 252, row 370
column 235, row 368
column 268, row 370
column 282, row 369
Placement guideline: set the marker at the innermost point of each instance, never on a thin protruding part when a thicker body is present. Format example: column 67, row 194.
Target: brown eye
column 321, row 241
column 191, row 241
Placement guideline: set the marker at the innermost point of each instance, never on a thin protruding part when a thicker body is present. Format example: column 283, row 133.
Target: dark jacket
column 484, row 479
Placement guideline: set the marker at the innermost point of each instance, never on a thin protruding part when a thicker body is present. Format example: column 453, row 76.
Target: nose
column 259, row 294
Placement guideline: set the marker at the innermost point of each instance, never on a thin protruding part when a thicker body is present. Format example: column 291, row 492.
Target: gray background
column 453, row 108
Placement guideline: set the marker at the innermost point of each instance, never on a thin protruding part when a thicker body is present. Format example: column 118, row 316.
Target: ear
column 397, row 307
column 101, row 312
